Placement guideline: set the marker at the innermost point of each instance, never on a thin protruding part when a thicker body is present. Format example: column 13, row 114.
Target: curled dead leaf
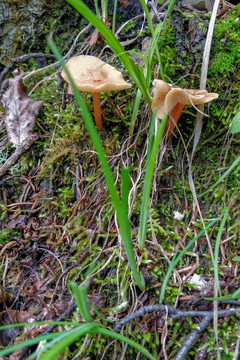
column 20, row 111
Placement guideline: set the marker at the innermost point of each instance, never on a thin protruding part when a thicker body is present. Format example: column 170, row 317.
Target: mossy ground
column 66, row 221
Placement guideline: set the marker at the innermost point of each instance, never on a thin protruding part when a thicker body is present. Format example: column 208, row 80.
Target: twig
column 61, row 318
column 207, row 317
column 21, row 59
column 193, row 336
column 16, row 155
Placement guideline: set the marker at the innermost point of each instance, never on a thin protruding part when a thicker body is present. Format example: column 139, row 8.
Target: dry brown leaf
column 14, row 221
column 20, row 111
column 94, row 37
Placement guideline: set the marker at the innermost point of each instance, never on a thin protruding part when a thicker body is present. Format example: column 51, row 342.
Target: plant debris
column 20, row 111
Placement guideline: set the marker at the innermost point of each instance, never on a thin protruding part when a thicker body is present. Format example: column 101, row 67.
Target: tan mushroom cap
column 91, row 74
column 167, row 96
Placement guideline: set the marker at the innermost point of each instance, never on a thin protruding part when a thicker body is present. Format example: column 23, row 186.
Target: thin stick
column 207, row 317
column 16, row 155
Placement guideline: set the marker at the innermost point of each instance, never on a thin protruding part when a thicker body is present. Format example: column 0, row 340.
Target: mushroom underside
column 173, row 119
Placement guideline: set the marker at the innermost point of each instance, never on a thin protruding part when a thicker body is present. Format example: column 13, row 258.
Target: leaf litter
column 20, row 111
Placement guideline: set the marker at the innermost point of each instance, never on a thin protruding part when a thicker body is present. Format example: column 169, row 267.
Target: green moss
column 5, row 236
column 225, row 52
column 167, row 50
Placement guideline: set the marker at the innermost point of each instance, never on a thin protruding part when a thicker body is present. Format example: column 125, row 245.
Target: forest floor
column 57, row 218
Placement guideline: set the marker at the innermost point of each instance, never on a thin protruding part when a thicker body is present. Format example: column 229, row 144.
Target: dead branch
column 21, row 59
column 206, row 316
column 16, row 155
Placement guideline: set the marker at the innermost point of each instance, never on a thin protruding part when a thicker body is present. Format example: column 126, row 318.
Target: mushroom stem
column 174, row 115
column 97, row 110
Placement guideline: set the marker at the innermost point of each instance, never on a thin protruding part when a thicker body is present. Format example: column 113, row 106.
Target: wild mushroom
column 169, row 99
column 91, row 74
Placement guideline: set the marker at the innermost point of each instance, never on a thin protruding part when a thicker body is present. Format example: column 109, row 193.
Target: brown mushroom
column 91, row 74
column 169, row 99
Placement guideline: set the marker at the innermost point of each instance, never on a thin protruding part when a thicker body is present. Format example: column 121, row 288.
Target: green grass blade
column 124, row 224
column 104, row 9
column 151, row 135
column 114, row 16
column 235, row 127
column 120, row 337
column 125, row 189
column 151, row 160
column 38, row 323
column 236, row 258
column 135, row 111
column 97, row 8
column 151, row 27
column 30, row 342
column 149, row 20
column 81, row 298
column 179, row 257
column 125, row 231
column 114, row 44
column 235, row 163
column 151, row 51
column 137, row 103
column 59, row 344
column 234, row 296
column 216, row 250
column 157, row 33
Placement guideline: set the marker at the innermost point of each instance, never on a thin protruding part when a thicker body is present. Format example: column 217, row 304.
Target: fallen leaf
column 125, row 3
column 20, row 111
column 94, row 37
column 20, row 219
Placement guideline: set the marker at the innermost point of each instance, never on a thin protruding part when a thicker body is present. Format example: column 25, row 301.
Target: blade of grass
column 157, row 33
column 38, row 323
column 151, row 27
column 179, row 257
column 125, row 189
column 57, row 345
column 151, row 160
column 234, row 296
column 130, row 342
column 135, row 111
column 235, row 163
column 114, row 16
column 216, row 250
column 217, row 289
column 97, row 8
column 104, row 10
column 149, row 20
column 124, row 224
column 81, row 298
column 123, row 220
column 29, row 342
